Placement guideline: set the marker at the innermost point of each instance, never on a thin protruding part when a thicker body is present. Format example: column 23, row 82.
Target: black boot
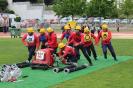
column 90, row 62
column 95, row 58
column 105, row 57
column 115, row 59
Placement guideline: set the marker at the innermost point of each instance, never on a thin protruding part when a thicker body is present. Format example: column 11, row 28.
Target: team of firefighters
column 77, row 40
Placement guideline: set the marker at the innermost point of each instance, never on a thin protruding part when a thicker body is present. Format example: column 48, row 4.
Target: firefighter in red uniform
column 31, row 41
column 67, row 33
column 43, row 38
column 106, row 36
column 67, row 54
column 86, row 40
column 52, row 39
column 76, row 41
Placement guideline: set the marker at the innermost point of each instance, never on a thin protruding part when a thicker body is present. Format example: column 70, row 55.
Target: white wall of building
column 28, row 11
column 50, row 15
column 25, row 10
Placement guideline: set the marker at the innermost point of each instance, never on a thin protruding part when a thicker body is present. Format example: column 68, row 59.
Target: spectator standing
column 5, row 24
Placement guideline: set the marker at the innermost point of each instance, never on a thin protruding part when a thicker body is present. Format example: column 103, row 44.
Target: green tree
column 17, row 19
column 72, row 8
column 127, row 8
column 102, row 8
column 3, row 5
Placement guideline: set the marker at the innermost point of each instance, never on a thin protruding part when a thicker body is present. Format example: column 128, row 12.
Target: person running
column 106, row 35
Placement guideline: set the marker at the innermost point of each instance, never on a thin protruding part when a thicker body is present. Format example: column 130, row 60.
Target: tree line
column 94, row 8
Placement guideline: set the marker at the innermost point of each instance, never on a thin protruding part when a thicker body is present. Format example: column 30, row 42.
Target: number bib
column 104, row 35
column 40, row 55
column 87, row 37
column 30, row 39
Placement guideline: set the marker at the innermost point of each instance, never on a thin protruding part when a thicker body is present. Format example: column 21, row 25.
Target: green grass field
column 115, row 76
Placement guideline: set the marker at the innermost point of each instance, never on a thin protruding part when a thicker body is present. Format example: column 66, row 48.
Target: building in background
column 26, row 10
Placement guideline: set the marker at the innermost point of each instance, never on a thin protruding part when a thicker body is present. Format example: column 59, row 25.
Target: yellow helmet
column 61, row 45
column 72, row 24
column 67, row 27
column 50, row 29
column 104, row 26
column 78, row 28
column 30, row 29
column 42, row 30
column 86, row 30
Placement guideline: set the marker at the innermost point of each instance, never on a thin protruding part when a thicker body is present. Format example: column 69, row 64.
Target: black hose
column 57, row 70
column 69, row 70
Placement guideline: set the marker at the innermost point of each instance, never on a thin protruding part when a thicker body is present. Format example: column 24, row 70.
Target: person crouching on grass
column 67, row 54
column 106, row 37
column 31, row 41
